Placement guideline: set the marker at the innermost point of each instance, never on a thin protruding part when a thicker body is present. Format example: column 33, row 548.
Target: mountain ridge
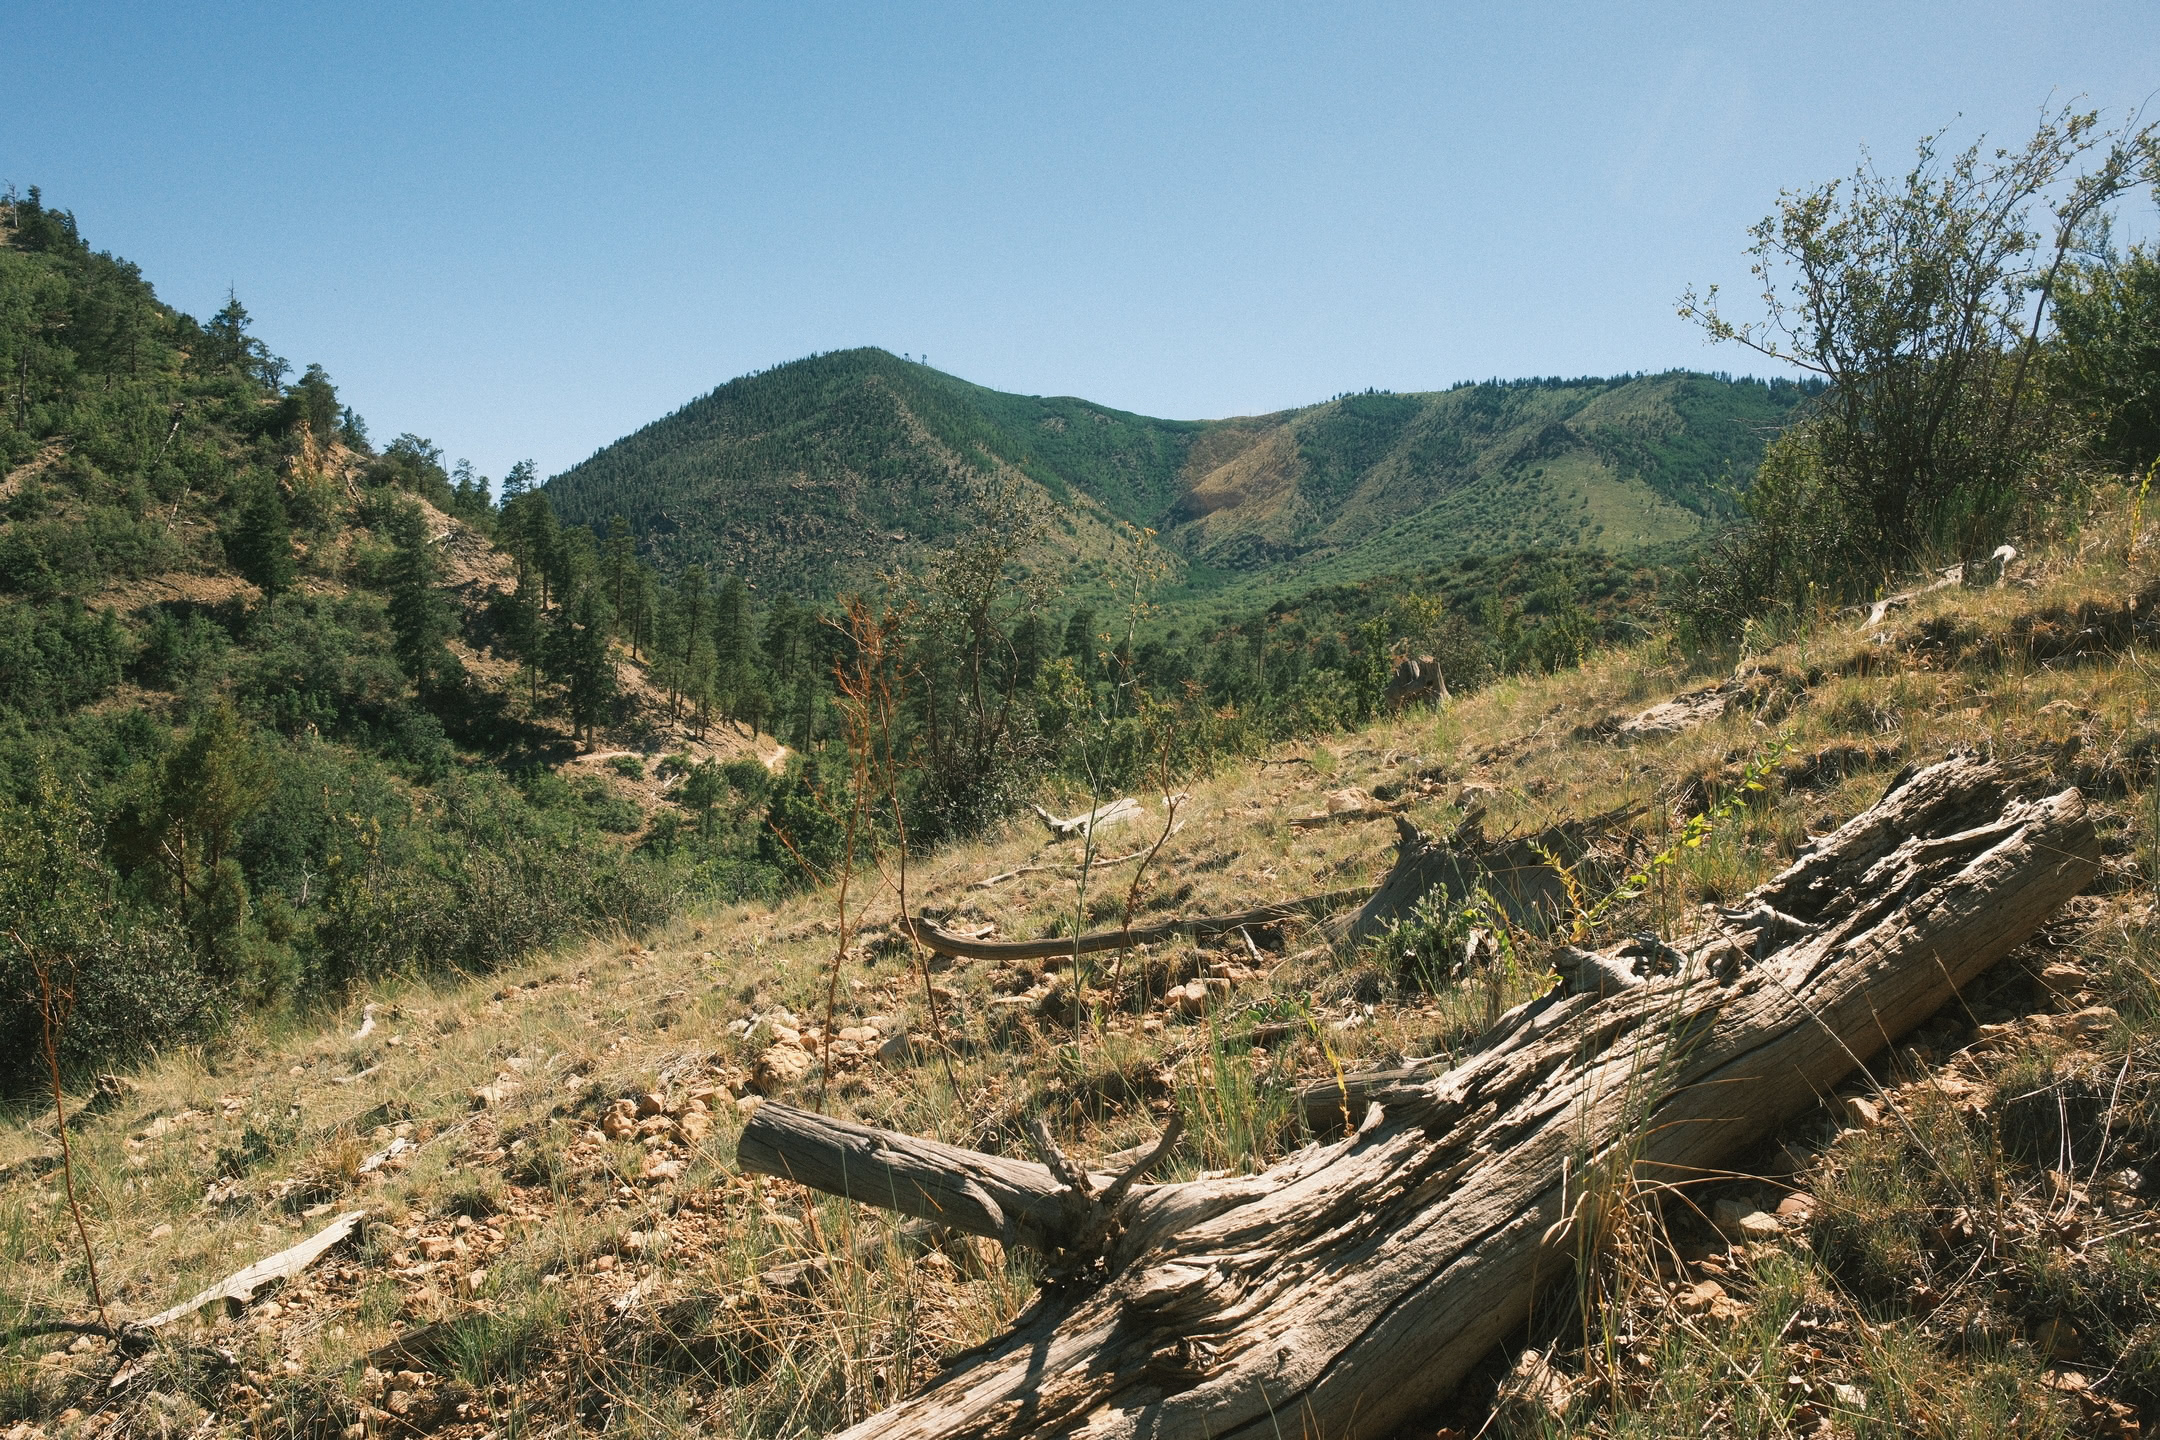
column 817, row 474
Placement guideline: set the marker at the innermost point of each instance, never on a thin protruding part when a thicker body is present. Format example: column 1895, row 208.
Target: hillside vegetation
column 814, row 476
column 277, row 717
column 566, row 1242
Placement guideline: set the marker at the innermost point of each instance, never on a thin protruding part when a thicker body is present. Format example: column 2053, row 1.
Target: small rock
column 2090, row 1024
column 620, row 1122
column 649, row 1104
column 487, row 1097
column 658, row 1168
column 2059, row 1341
column 1741, row 1220
column 1534, row 1391
column 1699, row 1297
column 435, row 1247
column 1863, row 1112
column 861, row 1034
column 1797, row 1207
column 781, row 1066
column 899, row 1049
column 692, row 1126
column 1187, row 999
column 2062, row 979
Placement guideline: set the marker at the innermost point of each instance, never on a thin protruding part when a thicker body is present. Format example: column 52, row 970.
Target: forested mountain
column 279, row 715
column 817, row 474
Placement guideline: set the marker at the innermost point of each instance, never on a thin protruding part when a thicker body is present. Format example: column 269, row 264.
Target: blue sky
column 526, row 230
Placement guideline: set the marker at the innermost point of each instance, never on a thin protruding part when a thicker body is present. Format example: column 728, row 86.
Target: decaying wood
column 1069, row 867
column 1345, row 806
column 1349, row 1288
column 941, row 941
column 1102, row 817
column 1519, row 875
column 1340, row 817
column 239, row 1287
column 1016, row 1201
column 1881, row 609
column 1417, row 679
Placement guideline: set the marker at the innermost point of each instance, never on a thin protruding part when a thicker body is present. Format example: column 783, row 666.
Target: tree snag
column 1348, row 1288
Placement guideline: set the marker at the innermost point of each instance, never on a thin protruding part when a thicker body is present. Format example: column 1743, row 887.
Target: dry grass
column 633, row 1282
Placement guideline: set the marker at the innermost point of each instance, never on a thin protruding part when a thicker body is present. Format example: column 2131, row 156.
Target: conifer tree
column 419, row 621
column 733, row 645
column 617, row 559
column 259, row 540
column 583, row 659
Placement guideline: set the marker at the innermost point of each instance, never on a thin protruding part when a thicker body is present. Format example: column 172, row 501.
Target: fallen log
column 941, row 941
column 1102, row 817
column 1950, row 578
column 1353, row 1285
column 1015, row 1201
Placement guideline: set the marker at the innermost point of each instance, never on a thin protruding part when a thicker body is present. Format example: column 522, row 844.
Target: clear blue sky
column 525, row 230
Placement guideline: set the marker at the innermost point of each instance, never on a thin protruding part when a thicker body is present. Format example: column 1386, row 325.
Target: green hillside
column 277, row 714
column 817, row 474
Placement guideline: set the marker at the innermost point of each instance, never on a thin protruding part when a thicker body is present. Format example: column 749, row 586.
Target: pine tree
column 419, row 621
column 259, row 540
column 617, row 560
column 315, row 401
column 184, row 830
column 733, row 645
column 583, row 659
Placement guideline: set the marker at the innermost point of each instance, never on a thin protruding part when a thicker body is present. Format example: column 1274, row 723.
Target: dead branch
column 238, row 1288
column 945, row 942
column 1102, row 817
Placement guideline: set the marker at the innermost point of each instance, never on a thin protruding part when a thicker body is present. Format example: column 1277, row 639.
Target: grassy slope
column 803, row 476
column 1937, row 1258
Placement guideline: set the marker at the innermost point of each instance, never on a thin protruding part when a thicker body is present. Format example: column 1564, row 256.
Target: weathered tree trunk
column 1517, row 875
column 1350, row 1287
column 1015, row 1201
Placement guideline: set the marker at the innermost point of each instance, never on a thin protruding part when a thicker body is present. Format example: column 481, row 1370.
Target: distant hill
column 817, row 474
